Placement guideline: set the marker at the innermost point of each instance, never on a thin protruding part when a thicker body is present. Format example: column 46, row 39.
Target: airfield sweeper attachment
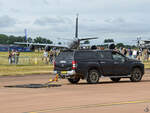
column 53, row 80
column 48, row 84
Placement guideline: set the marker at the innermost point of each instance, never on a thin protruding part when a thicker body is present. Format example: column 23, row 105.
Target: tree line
column 5, row 39
column 118, row 45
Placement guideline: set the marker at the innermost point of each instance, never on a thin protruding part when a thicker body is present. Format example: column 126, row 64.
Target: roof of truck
column 86, row 50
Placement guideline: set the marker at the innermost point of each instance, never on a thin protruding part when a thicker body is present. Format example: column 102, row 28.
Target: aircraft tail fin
column 76, row 30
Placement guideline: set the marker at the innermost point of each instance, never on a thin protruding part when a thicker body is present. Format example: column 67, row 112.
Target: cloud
column 44, row 21
column 14, row 10
column 45, row 2
column 115, row 20
column 96, row 17
column 6, row 21
column 115, row 25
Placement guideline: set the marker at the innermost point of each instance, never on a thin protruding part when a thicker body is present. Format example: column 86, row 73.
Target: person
column 146, row 55
column 45, row 54
column 120, row 49
column 51, row 55
column 130, row 53
column 17, row 56
column 134, row 53
column 13, row 56
column 10, row 57
column 125, row 52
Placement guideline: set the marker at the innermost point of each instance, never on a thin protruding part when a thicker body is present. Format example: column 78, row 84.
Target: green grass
column 23, row 70
column 29, row 63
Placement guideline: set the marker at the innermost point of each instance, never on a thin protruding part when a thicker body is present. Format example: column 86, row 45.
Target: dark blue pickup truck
column 93, row 64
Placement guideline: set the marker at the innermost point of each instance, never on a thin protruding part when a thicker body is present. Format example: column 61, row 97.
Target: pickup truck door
column 121, row 66
column 105, row 62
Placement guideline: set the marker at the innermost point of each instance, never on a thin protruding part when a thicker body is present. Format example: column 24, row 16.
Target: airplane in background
column 144, row 44
column 73, row 44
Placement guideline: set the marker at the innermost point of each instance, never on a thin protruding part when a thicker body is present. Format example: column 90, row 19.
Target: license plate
column 63, row 72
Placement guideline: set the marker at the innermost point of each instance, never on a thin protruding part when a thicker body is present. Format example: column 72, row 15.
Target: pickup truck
column 93, row 64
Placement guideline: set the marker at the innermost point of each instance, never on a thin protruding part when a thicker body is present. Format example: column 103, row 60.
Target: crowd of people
column 49, row 56
column 138, row 54
column 134, row 53
column 13, row 57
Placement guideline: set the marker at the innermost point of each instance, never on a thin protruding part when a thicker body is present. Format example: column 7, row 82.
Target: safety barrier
column 25, row 60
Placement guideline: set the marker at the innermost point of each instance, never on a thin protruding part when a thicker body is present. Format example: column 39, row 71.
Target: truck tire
column 93, row 77
column 136, row 75
column 115, row 79
column 73, row 80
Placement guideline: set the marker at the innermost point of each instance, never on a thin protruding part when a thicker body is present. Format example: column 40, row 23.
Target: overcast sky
column 122, row 20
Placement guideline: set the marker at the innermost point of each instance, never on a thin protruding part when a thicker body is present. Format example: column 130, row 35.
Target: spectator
column 13, row 56
column 10, row 57
column 134, row 54
column 146, row 55
column 17, row 56
column 125, row 52
column 51, row 55
column 130, row 53
column 45, row 54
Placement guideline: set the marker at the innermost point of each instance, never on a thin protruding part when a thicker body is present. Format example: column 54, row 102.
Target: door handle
column 103, row 62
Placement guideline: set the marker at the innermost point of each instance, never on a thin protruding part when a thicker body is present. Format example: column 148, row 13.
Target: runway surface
column 105, row 97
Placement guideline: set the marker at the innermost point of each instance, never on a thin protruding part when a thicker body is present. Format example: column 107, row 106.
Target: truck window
column 85, row 55
column 118, row 57
column 104, row 55
column 65, row 55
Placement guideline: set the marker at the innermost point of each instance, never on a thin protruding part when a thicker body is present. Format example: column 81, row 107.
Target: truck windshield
column 65, row 55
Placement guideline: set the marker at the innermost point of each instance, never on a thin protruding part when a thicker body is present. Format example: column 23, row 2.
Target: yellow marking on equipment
column 90, row 106
column 54, row 80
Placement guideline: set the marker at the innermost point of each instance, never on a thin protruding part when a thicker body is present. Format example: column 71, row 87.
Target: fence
column 25, row 60
column 26, row 65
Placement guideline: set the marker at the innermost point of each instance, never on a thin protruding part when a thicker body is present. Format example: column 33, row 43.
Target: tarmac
column 105, row 97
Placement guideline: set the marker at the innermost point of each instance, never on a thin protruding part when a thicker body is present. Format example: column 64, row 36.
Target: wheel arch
column 94, row 68
column 139, row 67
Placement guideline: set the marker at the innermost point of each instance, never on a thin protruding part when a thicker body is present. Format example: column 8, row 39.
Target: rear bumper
column 68, row 74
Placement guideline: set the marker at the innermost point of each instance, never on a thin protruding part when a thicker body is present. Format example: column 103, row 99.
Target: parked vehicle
column 93, row 64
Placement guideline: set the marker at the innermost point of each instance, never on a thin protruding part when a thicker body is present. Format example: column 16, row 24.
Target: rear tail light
column 74, row 64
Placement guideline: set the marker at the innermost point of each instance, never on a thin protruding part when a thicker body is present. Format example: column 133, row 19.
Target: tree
column 87, row 42
column 108, row 40
column 120, row 45
column 38, row 40
column 29, row 40
column 42, row 40
column 49, row 42
column 4, row 39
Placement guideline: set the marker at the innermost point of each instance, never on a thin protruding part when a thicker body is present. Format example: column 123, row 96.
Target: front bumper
column 68, row 74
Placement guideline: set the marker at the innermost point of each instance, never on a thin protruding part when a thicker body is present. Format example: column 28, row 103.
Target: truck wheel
column 73, row 80
column 93, row 77
column 136, row 75
column 115, row 79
